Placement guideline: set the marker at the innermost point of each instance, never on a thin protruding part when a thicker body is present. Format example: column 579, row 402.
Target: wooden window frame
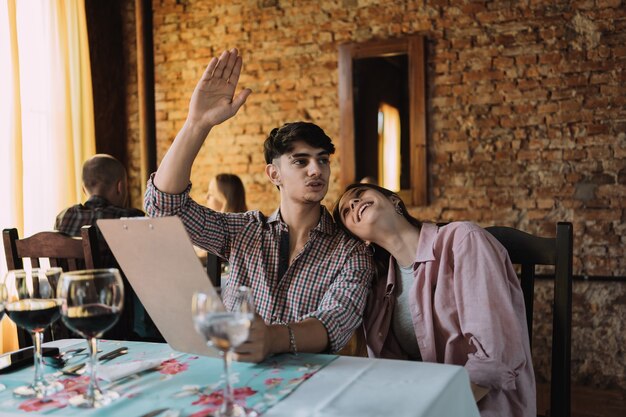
column 413, row 47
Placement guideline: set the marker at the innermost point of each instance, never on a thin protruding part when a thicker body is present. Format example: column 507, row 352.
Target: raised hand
column 213, row 100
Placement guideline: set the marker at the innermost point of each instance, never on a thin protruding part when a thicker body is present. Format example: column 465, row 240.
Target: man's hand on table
column 258, row 345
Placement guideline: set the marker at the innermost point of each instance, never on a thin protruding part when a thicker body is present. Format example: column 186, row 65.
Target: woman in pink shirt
column 450, row 296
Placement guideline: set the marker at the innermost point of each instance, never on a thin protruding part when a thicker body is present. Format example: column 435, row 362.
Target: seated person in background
column 106, row 185
column 309, row 279
column 226, row 194
column 446, row 294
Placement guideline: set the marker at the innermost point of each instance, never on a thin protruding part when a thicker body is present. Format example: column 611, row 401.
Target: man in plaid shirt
column 309, row 279
column 106, row 185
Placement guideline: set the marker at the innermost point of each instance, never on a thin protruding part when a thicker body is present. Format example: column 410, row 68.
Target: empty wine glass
column 92, row 302
column 31, row 303
column 224, row 329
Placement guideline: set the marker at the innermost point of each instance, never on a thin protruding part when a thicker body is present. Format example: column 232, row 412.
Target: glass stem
column 92, row 389
column 227, row 405
column 37, row 341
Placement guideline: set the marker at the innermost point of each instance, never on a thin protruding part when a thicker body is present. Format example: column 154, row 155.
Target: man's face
column 302, row 174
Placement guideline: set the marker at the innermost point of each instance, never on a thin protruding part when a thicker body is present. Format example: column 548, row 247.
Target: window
column 382, row 92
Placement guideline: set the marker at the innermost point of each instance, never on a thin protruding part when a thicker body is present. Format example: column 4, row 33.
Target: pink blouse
column 467, row 309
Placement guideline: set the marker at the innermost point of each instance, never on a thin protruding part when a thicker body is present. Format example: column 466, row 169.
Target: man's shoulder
column 75, row 207
column 344, row 243
column 116, row 212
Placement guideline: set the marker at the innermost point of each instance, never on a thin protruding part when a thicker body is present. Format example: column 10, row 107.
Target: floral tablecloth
column 189, row 383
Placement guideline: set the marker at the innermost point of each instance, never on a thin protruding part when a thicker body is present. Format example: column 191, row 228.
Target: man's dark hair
column 281, row 140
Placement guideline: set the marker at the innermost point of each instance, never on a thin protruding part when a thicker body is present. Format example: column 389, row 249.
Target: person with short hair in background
column 105, row 182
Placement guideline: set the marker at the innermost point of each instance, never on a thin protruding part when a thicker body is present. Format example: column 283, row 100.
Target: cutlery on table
column 79, row 369
column 59, row 360
column 162, row 412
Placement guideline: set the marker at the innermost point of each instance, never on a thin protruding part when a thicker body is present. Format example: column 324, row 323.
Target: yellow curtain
column 46, row 112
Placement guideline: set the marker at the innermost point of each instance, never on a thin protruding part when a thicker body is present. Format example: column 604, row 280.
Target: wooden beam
column 145, row 89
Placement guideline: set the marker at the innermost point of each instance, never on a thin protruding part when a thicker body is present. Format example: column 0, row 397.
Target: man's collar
column 98, row 200
column 325, row 225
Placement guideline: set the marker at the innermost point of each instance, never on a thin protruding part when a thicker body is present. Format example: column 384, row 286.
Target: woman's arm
column 491, row 313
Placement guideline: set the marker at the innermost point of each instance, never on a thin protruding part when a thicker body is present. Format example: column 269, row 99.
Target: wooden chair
column 528, row 251
column 69, row 253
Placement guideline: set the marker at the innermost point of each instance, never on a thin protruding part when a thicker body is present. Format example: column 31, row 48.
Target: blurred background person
column 105, row 183
column 226, row 194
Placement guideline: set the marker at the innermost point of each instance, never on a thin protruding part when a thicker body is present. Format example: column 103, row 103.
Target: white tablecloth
column 380, row 387
column 364, row 387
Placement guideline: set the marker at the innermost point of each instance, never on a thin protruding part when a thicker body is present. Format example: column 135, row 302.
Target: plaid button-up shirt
column 328, row 280
column 70, row 220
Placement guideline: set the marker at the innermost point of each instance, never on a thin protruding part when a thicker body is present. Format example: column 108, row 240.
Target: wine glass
column 30, row 302
column 92, row 302
column 224, row 329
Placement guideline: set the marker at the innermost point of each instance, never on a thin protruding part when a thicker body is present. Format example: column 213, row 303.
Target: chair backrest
column 529, row 251
column 69, row 253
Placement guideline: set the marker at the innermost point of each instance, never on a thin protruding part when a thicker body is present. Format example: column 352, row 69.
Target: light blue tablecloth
column 182, row 381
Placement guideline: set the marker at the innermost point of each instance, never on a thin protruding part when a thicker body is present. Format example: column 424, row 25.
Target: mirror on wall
column 383, row 123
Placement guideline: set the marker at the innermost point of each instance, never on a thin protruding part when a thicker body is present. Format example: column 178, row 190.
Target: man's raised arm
column 212, row 103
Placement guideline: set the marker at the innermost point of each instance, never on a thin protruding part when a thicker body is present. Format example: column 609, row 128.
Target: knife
column 154, row 412
column 78, row 369
column 114, row 354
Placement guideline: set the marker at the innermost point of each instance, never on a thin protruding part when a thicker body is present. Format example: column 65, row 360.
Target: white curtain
column 46, row 116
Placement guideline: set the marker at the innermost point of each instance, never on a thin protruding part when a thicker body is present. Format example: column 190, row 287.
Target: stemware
column 31, row 303
column 224, row 329
column 92, row 302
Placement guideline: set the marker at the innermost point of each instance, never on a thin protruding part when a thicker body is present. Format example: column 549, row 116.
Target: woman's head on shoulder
column 367, row 211
column 226, row 194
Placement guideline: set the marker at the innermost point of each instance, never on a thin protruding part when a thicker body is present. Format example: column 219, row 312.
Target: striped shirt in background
column 328, row 280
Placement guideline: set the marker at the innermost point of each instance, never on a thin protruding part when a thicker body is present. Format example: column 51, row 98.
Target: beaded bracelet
column 292, row 339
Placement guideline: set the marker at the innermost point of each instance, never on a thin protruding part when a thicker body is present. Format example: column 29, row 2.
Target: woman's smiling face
column 360, row 208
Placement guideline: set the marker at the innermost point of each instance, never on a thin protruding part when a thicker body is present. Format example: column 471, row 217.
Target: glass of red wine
column 224, row 328
column 92, row 302
column 30, row 301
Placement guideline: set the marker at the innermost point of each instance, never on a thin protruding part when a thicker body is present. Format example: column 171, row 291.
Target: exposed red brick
column 515, row 96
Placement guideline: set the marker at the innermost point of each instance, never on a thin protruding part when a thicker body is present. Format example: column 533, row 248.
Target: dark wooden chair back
column 528, row 251
column 69, row 253
column 66, row 252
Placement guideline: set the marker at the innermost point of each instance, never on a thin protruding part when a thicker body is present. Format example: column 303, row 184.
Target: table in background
column 345, row 387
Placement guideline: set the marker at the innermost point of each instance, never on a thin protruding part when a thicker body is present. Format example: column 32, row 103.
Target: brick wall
column 526, row 106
